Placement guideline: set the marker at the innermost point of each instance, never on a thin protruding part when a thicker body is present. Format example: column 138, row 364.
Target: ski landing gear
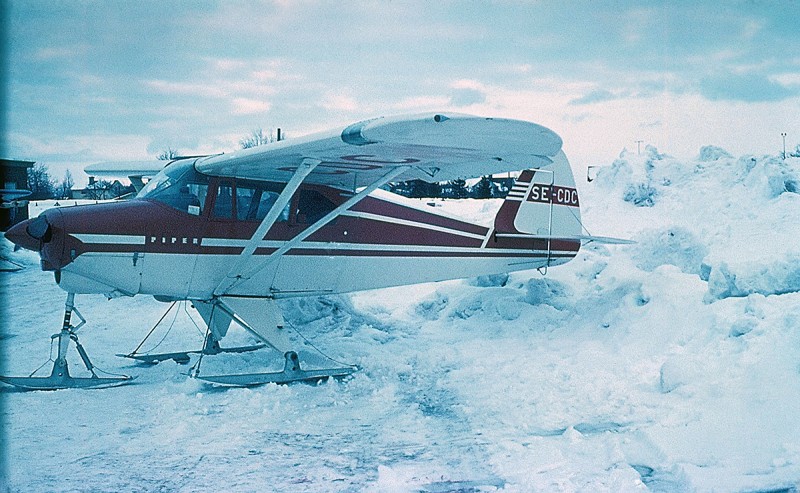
column 211, row 346
column 292, row 372
column 263, row 318
column 59, row 377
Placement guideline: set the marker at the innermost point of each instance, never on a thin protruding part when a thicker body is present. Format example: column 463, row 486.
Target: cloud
column 186, row 88
column 788, row 80
column 245, row 106
column 339, row 102
column 652, row 124
column 752, row 28
column 467, row 97
column 744, row 87
column 210, row 69
column 595, row 96
column 76, row 148
column 636, row 24
column 421, row 103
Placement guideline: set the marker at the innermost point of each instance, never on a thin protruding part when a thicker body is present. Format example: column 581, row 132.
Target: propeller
column 40, row 229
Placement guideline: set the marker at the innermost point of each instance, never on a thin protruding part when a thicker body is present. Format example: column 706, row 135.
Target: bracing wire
column 49, row 359
column 175, row 317
column 154, row 327
column 186, row 310
column 315, row 347
column 584, row 228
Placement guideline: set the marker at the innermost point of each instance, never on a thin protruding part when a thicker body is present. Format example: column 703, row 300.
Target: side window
column 254, row 201
column 223, row 205
column 266, row 201
column 246, row 199
column 312, row 207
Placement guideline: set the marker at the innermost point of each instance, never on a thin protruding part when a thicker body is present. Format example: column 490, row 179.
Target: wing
column 10, row 195
column 117, row 169
column 438, row 147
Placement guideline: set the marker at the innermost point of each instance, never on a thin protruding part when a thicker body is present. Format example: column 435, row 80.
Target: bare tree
column 65, row 188
column 168, row 154
column 256, row 138
column 39, row 182
column 99, row 190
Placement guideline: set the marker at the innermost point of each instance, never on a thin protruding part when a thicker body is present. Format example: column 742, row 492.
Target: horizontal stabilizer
column 605, row 239
column 582, row 238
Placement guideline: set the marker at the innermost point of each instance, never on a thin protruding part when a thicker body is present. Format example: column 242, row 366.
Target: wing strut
column 236, row 276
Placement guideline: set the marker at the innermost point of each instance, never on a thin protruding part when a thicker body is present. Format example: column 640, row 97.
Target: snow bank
column 712, row 153
column 780, row 276
column 727, row 219
column 677, row 246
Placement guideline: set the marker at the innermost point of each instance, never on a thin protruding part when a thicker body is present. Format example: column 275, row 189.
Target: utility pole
column 639, row 147
column 783, row 134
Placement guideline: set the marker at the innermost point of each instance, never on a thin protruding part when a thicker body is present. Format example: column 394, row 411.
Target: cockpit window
column 178, row 186
column 183, row 188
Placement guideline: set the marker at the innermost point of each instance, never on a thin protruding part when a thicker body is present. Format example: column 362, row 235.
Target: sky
column 98, row 81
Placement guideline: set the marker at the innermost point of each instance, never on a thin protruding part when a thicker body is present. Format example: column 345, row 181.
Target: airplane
column 233, row 233
column 9, row 197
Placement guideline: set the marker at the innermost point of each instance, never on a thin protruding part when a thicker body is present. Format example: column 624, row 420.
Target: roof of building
column 16, row 163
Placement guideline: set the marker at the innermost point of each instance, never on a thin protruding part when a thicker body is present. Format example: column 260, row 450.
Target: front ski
column 61, row 379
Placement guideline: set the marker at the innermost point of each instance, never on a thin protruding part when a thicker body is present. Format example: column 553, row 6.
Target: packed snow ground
column 668, row 365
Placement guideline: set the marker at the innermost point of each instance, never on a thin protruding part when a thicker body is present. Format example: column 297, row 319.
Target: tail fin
column 542, row 202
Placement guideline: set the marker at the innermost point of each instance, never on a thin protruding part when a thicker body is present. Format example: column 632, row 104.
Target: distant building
column 13, row 176
column 102, row 190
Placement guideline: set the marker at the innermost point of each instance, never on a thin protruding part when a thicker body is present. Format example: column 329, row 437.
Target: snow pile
column 712, row 153
column 674, row 245
column 669, row 365
column 735, row 216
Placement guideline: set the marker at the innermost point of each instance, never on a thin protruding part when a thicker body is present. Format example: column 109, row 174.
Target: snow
column 669, row 365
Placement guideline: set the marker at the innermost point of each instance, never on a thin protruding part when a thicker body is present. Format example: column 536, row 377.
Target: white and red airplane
column 234, row 232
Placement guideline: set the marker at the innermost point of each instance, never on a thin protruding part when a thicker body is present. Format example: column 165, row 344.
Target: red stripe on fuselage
column 377, row 232
column 501, row 242
column 391, row 210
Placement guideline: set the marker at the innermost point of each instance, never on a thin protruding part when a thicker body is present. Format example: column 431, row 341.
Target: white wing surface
column 437, row 147
column 117, row 169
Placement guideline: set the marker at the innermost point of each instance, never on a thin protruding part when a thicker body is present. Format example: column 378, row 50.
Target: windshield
column 178, row 186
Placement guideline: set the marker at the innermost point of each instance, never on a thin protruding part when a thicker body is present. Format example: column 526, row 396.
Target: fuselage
column 180, row 238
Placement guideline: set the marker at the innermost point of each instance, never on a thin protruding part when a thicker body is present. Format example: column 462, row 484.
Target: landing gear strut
column 59, row 376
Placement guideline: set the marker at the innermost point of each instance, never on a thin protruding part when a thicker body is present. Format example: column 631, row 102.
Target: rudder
column 542, row 202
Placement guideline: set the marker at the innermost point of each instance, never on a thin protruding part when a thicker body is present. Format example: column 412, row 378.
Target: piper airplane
column 9, row 196
column 233, row 233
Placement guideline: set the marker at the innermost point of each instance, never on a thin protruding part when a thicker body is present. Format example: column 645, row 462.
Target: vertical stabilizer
column 542, row 202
